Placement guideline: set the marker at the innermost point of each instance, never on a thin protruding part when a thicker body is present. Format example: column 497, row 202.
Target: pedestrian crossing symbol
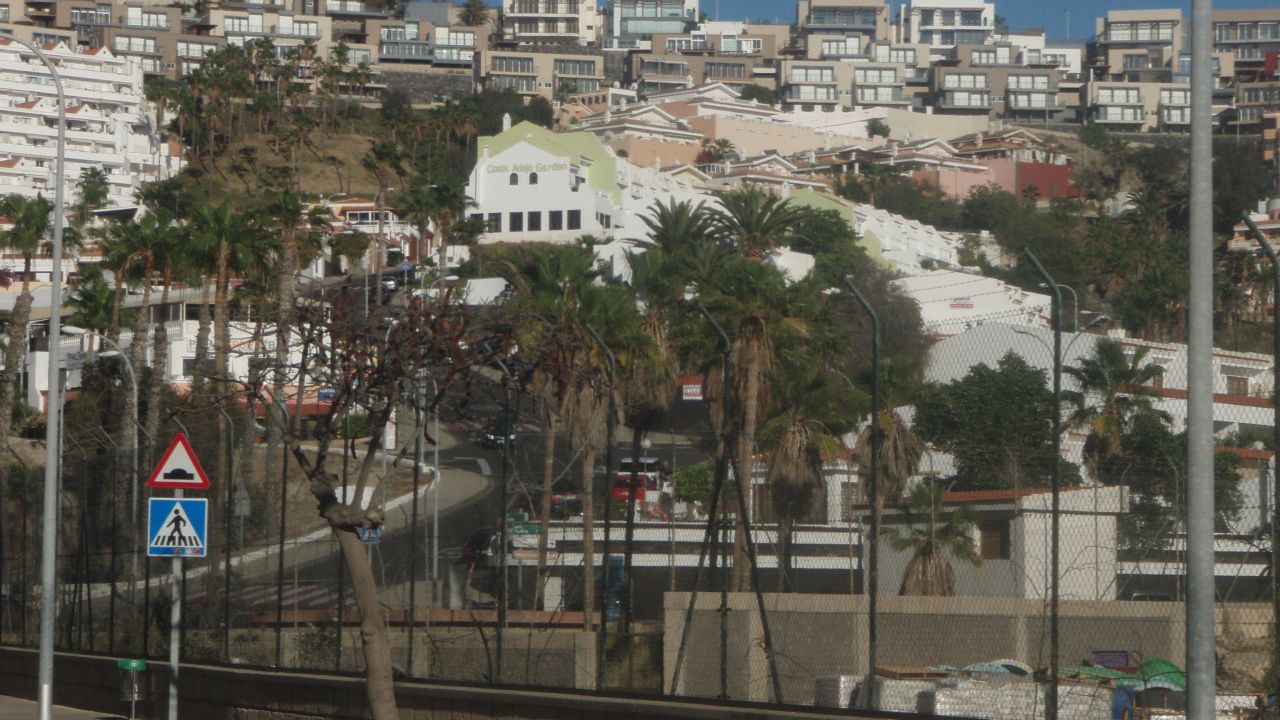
column 177, row 527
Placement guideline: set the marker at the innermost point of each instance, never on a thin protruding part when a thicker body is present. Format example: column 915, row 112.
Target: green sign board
column 528, row 529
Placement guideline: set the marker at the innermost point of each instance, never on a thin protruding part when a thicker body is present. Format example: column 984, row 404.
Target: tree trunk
column 137, row 358
column 374, row 639
column 202, row 336
column 221, row 322
column 749, row 381
column 628, row 543
column 159, row 364
column 588, row 539
column 544, row 512
column 13, row 351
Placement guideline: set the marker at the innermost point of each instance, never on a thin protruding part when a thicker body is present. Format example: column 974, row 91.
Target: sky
column 1021, row 14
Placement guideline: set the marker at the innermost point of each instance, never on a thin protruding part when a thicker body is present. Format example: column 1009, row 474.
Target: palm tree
column 417, row 204
column 940, row 536
column 383, row 161
column 93, row 189
column 30, row 220
column 809, row 413
column 755, row 220
column 1114, row 390
column 678, row 226
column 92, row 300
column 550, row 284
column 474, row 12
column 898, row 461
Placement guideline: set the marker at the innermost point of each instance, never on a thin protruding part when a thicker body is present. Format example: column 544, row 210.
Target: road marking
column 484, row 464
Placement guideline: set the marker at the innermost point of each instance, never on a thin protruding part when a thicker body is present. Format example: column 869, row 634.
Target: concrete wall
column 427, row 87
column 826, row 635
column 223, row 693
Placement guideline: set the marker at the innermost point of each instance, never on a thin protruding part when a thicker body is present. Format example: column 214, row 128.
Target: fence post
column 1275, row 442
column 872, row 546
column 1055, row 477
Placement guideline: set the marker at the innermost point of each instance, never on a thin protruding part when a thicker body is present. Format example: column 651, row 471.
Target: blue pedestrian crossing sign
column 177, row 527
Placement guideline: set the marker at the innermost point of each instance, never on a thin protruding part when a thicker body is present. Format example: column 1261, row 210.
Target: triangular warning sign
column 179, row 468
column 176, row 531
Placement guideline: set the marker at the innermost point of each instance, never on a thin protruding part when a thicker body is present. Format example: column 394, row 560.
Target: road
column 471, row 498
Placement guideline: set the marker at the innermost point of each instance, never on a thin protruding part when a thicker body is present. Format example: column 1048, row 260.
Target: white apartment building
column 109, row 125
column 944, row 24
column 572, row 22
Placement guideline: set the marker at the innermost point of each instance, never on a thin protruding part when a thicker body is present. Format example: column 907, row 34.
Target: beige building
column 845, row 72
column 538, row 73
column 945, row 24
column 556, row 22
column 867, row 20
column 731, row 53
column 1247, row 36
column 1132, row 41
column 992, row 80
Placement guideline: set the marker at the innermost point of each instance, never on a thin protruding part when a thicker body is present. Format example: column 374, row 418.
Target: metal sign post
column 177, row 527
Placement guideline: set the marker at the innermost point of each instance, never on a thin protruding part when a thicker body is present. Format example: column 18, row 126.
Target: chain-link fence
column 963, row 621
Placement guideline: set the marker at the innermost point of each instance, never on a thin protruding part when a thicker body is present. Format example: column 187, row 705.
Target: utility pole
column 1201, row 644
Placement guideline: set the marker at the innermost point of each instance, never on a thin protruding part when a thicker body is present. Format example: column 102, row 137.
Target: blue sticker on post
column 177, row 527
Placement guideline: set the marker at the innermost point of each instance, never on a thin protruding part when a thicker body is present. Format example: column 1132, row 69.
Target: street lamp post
column 49, row 538
column 1075, row 305
column 133, row 490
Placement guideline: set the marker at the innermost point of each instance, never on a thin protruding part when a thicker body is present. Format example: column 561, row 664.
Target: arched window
column 533, row 178
column 514, row 179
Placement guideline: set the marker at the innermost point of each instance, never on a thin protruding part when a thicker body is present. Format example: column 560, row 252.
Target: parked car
column 497, row 434
column 652, row 480
column 566, row 500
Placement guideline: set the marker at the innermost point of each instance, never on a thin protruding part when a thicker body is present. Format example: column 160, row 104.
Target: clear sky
column 1021, row 14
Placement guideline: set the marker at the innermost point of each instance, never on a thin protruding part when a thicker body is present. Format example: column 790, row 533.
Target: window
column 555, row 220
column 495, row 222
column 575, row 219
column 515, row 221
column 926, row 17
column 512, row 64
column 903, row 56
column 840, row 48
column 575, row 67
column 725, row 70
column 533, row 179
column 514, row 179
column 812, row 74
column 965, row 80
column 135, row 44
column 1028, row 82
column 971, row 18
column 1237, row 385
column 993, row 539
column 1119, row 96
column 512, row 82
column 875, row 76
column 235, row 24
column 1175, row 97
column 535, row 221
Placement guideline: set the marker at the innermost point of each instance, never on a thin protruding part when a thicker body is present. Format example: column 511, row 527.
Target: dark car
column 482, row 547
column 497, row 434
column 566, row 500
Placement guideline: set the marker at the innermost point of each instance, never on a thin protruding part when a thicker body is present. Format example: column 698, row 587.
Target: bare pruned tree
column 374, row 365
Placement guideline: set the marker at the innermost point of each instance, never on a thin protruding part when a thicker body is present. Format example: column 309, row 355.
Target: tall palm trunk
column 549, row 429
column 137, row 357
column 202, row 336
column 221, row 321
column 628, row 542
column 588, row 539
column 748, row 384
column 159, row 361
column 13, row 352
column 288, row 264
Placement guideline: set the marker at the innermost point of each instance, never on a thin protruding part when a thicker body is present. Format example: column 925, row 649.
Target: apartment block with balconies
column 632, row 24
column 538, row 73
column 733, row 53
column 556, row 22
column 816, row 84
column 1247, row 36
column 945, row 24
column 1128, row 42
column 287, row 31
column 108, row 123
column 1254, row 100
column 995, row 79
column 867, row 20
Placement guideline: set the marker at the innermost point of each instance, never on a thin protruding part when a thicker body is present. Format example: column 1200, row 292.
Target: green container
column 132, row 664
